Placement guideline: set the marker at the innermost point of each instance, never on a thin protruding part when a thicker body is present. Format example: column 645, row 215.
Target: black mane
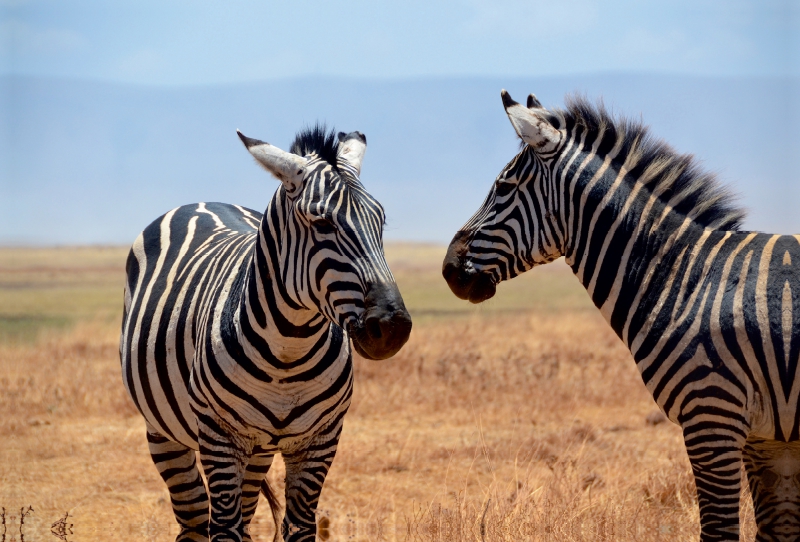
column 686, row 184
column 316, row 140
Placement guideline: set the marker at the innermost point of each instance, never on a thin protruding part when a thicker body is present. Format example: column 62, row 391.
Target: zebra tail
column 274, row 506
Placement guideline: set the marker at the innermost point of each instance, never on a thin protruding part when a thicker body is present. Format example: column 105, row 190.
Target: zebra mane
column 683, row 184
column 317, row 140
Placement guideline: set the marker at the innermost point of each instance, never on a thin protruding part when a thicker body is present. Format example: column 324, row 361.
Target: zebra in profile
column 236, row 335
column 708, row 311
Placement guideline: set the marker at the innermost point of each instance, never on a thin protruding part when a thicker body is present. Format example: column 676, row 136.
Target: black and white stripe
column 708, row 311
column 236, row 335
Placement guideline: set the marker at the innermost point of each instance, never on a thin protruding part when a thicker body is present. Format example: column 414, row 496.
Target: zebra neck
column 625, row 244
column 270, row 325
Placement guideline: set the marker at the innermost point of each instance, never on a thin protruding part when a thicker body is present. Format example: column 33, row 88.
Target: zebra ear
column 352, row 147
column 531, row 127
column 287, row 167
column 533, row 102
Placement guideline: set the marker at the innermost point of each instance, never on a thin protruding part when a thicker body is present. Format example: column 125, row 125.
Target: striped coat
column 706, row 310
column 236, row 335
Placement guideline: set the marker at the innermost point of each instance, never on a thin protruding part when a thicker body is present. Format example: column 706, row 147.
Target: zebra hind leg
column 255, row 482
column 773, row 473
column 177, row 466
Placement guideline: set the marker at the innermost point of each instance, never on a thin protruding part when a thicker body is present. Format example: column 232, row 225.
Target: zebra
column 236, row 333
column 707, row 310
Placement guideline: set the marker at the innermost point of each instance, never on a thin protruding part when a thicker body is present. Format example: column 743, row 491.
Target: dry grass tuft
column 533, row 441
column 60, row 378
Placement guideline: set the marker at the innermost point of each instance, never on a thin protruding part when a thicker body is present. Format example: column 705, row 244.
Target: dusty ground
column 524, row 419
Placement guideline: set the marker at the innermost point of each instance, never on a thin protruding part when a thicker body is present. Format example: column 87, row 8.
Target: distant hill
column 91, row 162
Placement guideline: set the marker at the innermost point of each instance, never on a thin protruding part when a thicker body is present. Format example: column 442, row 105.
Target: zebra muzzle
column 385, row 325
column 470, row 285
column 465, row 282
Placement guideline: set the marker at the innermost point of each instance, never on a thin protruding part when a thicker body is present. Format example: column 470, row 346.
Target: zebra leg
column 305, row 474
column 224, row 465
column 254, row 483
column 773, row 472
column 177, row 465
column 716, row 457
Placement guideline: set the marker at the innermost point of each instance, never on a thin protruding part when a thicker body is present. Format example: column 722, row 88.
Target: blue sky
column 116, row 81
column 179, row 42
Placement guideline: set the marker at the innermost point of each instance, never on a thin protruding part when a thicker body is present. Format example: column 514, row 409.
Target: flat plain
column 523, row 418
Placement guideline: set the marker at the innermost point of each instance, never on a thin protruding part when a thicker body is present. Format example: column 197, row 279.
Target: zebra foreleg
column 224, row 465
column 305, row 476
column 773, row 473
column 177, row 466
column 254, row 480
column 716, row 458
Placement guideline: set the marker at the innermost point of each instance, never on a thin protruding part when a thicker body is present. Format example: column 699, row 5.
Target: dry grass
column 507, row 422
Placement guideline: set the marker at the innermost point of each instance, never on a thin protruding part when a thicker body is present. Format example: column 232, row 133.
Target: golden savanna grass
column 522, row 419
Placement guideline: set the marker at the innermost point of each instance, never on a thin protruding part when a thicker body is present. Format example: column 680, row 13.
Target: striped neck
column 283, row 332
column 622, row 238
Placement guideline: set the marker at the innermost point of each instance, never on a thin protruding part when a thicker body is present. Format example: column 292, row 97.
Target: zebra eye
column 324, row 226
column 504, row 188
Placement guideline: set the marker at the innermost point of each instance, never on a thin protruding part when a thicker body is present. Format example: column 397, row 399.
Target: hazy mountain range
column 93, row 162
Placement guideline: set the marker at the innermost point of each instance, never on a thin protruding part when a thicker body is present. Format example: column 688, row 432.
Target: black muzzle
column 385, row 325
column 465, row 282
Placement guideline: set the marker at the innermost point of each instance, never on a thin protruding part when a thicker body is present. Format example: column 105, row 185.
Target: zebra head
column 325, row 231
column 517, row 227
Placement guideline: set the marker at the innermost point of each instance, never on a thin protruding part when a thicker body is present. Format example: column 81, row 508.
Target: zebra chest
column 271, row 405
